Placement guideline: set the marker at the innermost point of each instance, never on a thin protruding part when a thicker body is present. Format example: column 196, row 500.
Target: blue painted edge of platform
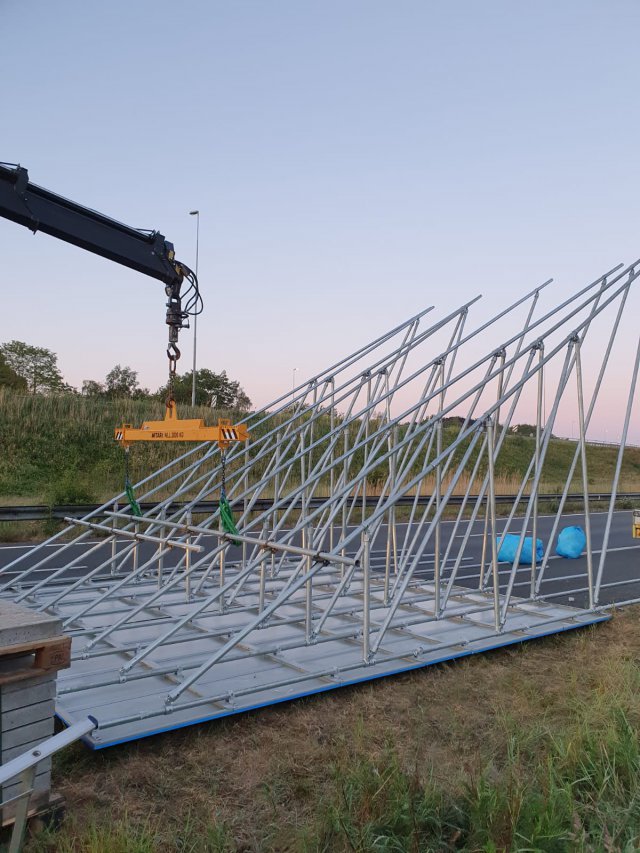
column 221, row 715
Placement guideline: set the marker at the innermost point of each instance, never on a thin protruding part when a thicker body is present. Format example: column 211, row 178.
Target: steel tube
column 139, row 537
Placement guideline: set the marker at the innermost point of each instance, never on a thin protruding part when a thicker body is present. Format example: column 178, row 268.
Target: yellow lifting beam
column 173, row 428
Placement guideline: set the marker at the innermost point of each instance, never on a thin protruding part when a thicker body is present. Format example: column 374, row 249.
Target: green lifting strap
column 226, row 517
column 128, row 488
column 133, row 503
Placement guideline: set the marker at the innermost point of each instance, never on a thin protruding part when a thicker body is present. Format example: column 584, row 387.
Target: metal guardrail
column 24, row 767
column 43, row 512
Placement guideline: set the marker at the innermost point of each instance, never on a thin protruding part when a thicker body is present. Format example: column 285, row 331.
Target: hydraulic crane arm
column 145, row 251
column 40, row 210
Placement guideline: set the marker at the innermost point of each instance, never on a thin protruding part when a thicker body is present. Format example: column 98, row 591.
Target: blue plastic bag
column 507, row 552
column 571, row 542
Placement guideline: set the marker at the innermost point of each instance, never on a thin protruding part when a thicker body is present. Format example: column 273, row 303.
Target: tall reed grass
column 61, row 449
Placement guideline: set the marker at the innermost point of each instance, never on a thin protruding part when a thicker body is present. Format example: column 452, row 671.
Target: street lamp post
column 195, row 213
column 293, row 384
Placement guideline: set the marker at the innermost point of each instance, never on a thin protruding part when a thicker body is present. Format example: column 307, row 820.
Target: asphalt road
column 564, row 580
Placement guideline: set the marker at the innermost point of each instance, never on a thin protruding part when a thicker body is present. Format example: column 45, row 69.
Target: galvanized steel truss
column 378, row 549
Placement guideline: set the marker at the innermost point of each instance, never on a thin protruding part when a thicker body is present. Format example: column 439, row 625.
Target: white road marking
column 52, row 544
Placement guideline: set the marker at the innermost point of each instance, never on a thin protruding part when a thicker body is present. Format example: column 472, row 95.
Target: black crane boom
column 148, row 252
column 41, row 210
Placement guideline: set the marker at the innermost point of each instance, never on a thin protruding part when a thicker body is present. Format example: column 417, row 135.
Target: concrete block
column 29, row 694
column 14, row 686
column 8, row 753
column 27, row 703
column 25, row 734
column 42, row 782
column 21, row 625
column 26, row 716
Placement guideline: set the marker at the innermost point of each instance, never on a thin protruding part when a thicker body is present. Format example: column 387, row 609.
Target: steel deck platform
column 277, row 666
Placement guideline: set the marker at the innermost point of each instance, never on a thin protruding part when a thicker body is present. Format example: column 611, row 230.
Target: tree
column 36, row 365
column 91, row 388
column 122, row 382
column 9, row 378
column 212, row 389
column 243, row 402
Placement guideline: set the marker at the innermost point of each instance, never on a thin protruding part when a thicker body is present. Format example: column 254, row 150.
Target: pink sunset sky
column 352, row 164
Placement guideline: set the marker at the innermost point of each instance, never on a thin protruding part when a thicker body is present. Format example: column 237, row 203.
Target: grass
column 574, row 790
column 532, row 748
column 125, row 835
column 60, row 450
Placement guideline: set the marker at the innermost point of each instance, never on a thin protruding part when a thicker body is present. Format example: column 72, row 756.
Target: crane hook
column 173, row 354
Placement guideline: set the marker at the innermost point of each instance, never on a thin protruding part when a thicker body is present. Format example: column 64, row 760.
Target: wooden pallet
column 40, row 657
